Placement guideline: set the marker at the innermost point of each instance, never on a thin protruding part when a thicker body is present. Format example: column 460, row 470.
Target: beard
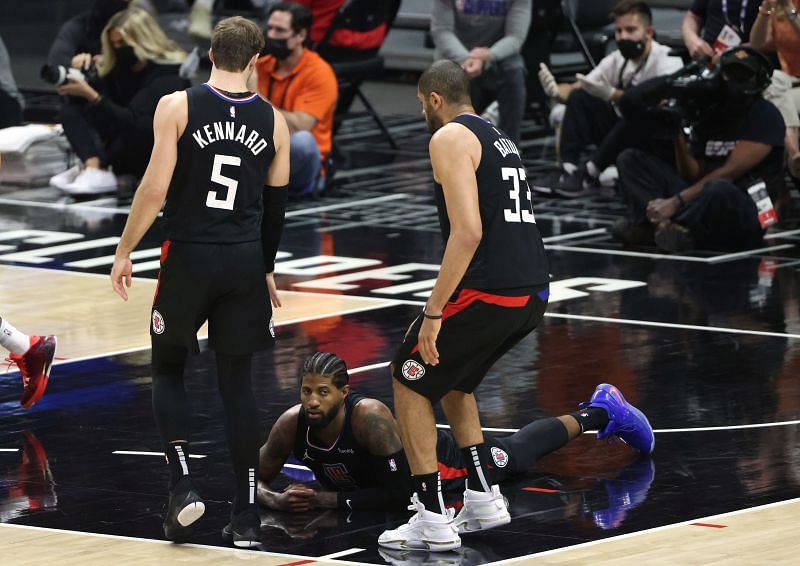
column 325, row 417
column 433, row 123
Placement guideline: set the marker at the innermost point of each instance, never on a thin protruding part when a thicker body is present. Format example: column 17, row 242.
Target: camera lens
column 53, row 74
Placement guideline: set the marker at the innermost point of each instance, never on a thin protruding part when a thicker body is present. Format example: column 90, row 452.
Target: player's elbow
column 469, row 236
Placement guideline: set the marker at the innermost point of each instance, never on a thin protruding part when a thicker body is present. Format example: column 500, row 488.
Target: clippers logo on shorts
column 413, row 370
column 392, row 465
column 272, row 328
column 500, row 457
column 158, row 322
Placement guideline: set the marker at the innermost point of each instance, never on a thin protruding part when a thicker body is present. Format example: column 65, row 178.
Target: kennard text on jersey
column 216, row 131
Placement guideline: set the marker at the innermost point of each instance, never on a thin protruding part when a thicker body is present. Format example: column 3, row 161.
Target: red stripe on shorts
column 164, row 253
column 448, row 473
column 468, row 296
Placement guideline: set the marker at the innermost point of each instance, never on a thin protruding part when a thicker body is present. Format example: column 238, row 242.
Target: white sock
column 569, row 168
column 12, row 339
column 207, row 4
column 591, row 168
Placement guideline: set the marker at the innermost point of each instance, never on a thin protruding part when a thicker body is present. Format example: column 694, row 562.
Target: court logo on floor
column 158, row 322
column 413, row 370
column 499, row 456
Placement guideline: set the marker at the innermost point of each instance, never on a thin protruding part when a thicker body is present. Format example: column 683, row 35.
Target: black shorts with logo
column 478, row 327
column 224, row 284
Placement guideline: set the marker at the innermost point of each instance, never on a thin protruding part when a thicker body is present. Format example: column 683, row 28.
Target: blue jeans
column 304, row 162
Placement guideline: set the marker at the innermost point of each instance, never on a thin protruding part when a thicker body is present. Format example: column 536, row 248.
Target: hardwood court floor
column 707, row 344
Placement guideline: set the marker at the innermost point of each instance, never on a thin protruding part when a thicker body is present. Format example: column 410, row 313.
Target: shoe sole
column 42, row 384
column 191, row 513
column 483, row 524
column 246, row 543
column 430, row 546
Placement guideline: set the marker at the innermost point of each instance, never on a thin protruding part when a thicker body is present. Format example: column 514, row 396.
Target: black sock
column 429, row 491
column 591, row 418
column 178, row 460
column 477, row 458
column 241, row 424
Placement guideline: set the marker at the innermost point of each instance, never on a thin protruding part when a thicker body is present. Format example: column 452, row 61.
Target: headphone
column 748, row 57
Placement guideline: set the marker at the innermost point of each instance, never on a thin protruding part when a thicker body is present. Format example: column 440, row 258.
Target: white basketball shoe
column 425, row 530
column 482, row 511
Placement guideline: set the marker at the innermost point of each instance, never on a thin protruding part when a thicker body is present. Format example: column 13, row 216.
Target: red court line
column 540, row 489
column 709, row 525
column 298, row 563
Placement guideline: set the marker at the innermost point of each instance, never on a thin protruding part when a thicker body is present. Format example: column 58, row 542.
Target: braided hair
column 326, row 363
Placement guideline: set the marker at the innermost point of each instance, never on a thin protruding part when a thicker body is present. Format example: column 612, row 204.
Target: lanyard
column 635, row 72
column 742, row 14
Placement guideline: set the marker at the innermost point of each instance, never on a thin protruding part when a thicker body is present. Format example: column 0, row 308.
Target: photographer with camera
column 591, row 117
column 113, row 126
column 714, row 198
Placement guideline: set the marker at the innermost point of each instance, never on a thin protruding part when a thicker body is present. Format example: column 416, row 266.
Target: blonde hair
column 141, row 31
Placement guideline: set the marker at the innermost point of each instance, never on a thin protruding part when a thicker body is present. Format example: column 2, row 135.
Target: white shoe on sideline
column 492, row 113
column 92, row 181
column 482, row 511
column 200, row 21
column 425, row 530
column 65, row 177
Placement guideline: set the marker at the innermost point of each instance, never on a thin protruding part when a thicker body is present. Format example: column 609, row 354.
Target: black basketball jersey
column 344, row 466
column 216, row 191
column 511, row 253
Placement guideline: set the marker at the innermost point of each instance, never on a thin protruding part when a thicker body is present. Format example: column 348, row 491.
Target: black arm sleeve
column 394, row 478
column 272, row 222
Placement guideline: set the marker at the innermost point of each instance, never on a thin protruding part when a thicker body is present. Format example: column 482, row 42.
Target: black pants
column 89, row 137
column 10, row 111
column 722, row 217
column 507, row 86
column 587, row 121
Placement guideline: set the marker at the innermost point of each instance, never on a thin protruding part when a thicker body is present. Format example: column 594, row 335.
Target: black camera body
column 691, row 91
column 57, row 75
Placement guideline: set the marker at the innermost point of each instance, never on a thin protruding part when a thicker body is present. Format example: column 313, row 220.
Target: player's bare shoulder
column 374, row 427
column 454, row 139
column 173, row 108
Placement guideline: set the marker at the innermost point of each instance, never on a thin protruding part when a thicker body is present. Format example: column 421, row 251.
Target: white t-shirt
column 658, row 63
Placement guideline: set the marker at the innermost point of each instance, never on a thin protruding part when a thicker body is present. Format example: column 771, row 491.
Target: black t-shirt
column 224, row 154
column 511, row 252
column 715, row 137
column 715, row 17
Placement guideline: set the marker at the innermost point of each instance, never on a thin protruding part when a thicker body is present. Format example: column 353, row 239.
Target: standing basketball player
column 492, row 290
column 221, row 160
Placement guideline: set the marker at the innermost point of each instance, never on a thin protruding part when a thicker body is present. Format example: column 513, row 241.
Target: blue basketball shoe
column 624, row 420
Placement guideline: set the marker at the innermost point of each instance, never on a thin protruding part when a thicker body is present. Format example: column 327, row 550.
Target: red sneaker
column 34, row 366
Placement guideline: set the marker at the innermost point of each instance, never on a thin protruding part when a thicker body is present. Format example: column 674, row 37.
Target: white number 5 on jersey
column 212, row 201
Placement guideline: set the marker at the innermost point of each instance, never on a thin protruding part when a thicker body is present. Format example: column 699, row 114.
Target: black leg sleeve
column 170, row 406
column 524, row 447
column 272, row 223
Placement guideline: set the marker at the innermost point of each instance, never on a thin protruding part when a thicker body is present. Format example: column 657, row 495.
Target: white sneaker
column 492, row 113
column 65, row 177
column 482, row 511
column 92, row 181
column 609, row 177
column 425, row 530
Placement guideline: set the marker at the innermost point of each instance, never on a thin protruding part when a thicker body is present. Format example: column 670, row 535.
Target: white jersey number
column 212, row 201
column 519, row 212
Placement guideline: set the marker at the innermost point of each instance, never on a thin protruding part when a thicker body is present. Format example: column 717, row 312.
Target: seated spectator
column 591, row 116
column 777, row 30
column 342, row 42
column 736, row 142
column 113, row 127
column 711, row 26
column 485, row 38
column 300, row 84
column 11, row 101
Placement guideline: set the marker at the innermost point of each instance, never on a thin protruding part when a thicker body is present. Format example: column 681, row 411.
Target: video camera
column 59, row 74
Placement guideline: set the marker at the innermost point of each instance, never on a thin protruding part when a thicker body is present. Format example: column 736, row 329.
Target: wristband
column 431, row 316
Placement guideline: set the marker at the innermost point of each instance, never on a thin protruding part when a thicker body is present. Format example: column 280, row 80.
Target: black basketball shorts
column 477, row 329
column 224, row 284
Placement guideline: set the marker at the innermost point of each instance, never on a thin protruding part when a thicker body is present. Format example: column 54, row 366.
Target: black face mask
column 126, row 58
column 278, row 48
column 630, row 49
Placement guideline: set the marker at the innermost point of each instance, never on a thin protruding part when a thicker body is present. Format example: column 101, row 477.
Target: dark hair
column 301, row 16
column 234, row 41
column 448, row 80
column 624, row 7
column 325, row 363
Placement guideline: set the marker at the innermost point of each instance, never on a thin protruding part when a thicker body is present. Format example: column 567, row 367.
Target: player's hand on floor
column 122, row 271
column 428, row 333
column 273, row 291
column 297, row 498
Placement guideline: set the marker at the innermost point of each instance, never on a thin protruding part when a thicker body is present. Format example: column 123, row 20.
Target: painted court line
column 9, row 449
column 240, row 553
column 581, row 234
column 640, row 533
column 737, row 255
column 141, row 453
column 347, row 552
column 306, row 211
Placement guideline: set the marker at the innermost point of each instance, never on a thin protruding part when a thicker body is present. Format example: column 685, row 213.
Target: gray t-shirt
column 458, row 26
column 7, row 82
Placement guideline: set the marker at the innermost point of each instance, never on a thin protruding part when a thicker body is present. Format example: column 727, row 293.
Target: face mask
column 279, row 48
column 630, row 49
column 126, row 58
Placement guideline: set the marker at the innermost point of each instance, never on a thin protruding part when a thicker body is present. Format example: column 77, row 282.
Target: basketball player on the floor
column 33, row 355
column 352, row 445
column 491, row 291
column 221, row 160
